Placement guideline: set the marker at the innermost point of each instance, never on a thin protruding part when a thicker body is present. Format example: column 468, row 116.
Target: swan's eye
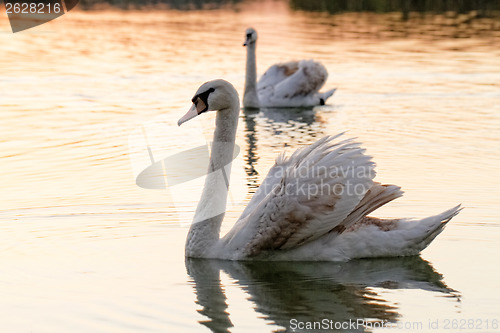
column 202, row 99
column 249, row 35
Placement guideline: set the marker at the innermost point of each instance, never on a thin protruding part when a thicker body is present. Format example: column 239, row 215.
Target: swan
column 312, row 206
column 289, row 84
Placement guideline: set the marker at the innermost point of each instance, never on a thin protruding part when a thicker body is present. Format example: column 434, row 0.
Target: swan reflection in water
column 311, row 291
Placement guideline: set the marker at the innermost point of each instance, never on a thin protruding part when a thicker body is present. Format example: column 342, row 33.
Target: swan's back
column 293, row 84
column 277, row 73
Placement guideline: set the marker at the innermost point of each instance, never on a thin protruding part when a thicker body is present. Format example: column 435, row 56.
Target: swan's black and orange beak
column 193, row 112
column 200, row 105
column 247, row 40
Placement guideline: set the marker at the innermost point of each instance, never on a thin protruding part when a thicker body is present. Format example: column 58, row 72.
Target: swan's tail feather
column 325, row 95
column 372, row 237
column 414, row 239
column 433, row 225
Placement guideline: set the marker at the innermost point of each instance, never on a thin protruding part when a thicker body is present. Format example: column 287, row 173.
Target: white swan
column 290, row 84
column 311, row 206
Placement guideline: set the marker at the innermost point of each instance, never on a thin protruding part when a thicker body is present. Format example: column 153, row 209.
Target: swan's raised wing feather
column 307, row 80
column 305, row 196
column 277, row 73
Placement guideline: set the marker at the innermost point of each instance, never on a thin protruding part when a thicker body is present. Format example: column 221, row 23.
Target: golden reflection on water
column 312, row 291
column 113, row 70
column 425, row 104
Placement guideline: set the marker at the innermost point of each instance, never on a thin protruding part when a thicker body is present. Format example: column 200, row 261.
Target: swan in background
column 313, row 205
column 289, row 84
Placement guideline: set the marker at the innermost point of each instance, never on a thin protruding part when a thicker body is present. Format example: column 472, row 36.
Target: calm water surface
column 84, row 249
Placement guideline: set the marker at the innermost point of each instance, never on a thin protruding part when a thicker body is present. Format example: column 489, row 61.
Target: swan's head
column 212, row 96
column 250, row 36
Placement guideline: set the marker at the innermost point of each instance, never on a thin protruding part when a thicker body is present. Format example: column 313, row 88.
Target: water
column 85, row 249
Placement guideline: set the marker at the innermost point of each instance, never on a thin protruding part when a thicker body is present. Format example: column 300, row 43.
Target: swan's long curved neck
column 251, row 99
column 205, row 229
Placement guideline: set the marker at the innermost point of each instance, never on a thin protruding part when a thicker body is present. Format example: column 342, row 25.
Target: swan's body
column 311, row 206
column 290, row 84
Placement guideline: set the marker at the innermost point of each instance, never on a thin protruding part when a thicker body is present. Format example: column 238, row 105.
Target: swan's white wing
column 277, row 73
column 304, row 197
column 306, row 81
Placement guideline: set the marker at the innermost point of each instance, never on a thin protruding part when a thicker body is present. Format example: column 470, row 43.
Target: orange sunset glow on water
column 85, row 249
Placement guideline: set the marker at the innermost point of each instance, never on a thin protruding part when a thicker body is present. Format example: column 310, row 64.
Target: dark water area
column 483, row 7
column 386, row 18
